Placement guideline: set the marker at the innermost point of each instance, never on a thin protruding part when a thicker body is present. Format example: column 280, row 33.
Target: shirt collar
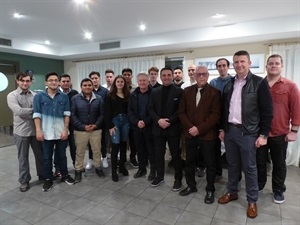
column 20, row 91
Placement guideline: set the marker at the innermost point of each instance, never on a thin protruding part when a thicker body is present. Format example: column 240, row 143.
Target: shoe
column 157, row 181
column 78, row 176
column 134, row 163
column 201, row 172
column 228, row 198
column 68, row 180
column 218, row 178
column 252, row 210
column 187, row 191
column 99, row 172
column 104, row 163
column 177, row 185
column 89, row 164
column 209, row 198
column 140, row 173
column 57, row 173
column 123, row 170
column 278, row 197
column 47, row 185
column 24, row 187
column 114, row 177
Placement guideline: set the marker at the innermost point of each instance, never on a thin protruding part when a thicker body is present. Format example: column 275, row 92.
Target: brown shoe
column 252, row 210
column 227, row 198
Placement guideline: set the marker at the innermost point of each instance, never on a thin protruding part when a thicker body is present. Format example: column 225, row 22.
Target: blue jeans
column 121, row 123
column 60, row 149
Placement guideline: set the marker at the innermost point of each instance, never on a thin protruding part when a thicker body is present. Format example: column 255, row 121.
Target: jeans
column 121, row 123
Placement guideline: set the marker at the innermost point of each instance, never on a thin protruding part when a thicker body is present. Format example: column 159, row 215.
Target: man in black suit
column 163, row 108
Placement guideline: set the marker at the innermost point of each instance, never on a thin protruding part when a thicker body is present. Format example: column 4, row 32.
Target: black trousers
column 207, row 149
column 160, row 150
column 278, row 148
column 132, row 144
column 218, row 157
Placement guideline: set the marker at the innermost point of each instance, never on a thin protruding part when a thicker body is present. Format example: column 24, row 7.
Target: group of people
column 251, row 114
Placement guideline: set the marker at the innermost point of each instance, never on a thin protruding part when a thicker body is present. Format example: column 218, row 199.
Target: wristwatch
column 263, row 136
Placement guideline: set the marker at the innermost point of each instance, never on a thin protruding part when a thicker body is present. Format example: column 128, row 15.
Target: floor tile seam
column 219, row 205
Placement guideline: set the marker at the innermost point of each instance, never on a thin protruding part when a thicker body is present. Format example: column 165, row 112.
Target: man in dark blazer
column 163, row 106
column 199, row 112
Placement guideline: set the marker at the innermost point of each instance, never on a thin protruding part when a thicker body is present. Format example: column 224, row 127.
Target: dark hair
column 127, row 70
column 275, row 56
column 94, row 72
column 21, row 75
column 178, row 68
column 86, row 80
column 64, row 75
column 109, row 71
column 50, row 74
column 113, row 89
column 153, row 68
column 227, row 61
column 166, row 68
column 242, row 52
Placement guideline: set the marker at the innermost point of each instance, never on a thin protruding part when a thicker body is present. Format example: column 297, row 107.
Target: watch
column 263, row 136
column 294, row 131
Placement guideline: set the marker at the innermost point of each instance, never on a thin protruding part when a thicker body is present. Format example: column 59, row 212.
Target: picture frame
column 257, row 64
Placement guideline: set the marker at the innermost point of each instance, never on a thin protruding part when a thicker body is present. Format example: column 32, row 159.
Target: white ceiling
column 172, row 25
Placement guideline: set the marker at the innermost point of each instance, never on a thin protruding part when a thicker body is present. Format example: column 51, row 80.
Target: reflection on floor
column 132, row 201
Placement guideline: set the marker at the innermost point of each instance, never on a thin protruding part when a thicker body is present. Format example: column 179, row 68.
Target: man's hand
column 260, row 141
column 164, row 123
column 141, row 124
column 39, row 135
column 291, row 136
column 64, row 135
column 221, row 135
column 193, row 131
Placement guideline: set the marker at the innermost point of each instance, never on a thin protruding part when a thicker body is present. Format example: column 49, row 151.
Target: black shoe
column 187, row 191
column 140, row 173
column 68, row 180
column 123, row 170
column 177, row 185
column 47, row 185
column 24, row 187
column 151, row 176
column 114, row 177
column 209, row 198
column 157, row 181
column 134, row 163
column 100, row 172
column 78, row 176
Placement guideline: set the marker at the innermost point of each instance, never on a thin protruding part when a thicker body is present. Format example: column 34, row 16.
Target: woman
column 117, row 122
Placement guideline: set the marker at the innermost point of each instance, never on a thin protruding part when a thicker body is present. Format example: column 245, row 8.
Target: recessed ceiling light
column 18, row 15
column 80, row 1
column 142, row 27
column 47, row 42
column 218, row 16
column 88, row 35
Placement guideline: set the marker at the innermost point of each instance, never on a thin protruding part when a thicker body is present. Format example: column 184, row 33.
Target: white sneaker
column 89, row 164
column 104, row 162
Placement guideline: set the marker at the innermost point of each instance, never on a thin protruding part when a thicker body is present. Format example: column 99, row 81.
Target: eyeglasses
column 201, row 74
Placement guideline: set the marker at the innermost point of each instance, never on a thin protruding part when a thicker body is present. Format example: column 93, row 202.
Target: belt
column 236, row 125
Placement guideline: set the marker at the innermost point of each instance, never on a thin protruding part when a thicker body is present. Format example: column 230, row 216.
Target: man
column 222, row 66
column 247, row 114
column 127, row 73
column 87, row 117
column 199, row 112
column 20, row 102
column 109, row 78
column 284, row 128
column 153, row 74
column 191, row 71
column 141, row 124
column 178, row 76
column 166, row 127
column 51, row 114
column 99, row 90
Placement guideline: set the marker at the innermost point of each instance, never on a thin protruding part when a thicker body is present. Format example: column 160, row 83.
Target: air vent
column 110, row 45
column 5, row 42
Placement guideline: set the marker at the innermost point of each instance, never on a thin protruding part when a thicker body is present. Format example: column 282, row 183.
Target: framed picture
column 257, row 64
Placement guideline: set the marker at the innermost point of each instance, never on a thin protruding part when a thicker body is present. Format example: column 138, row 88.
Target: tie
column 198, row 96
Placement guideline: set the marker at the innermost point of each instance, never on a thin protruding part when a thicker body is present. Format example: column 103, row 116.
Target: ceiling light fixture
column 142, row 27
column 218, row 16
column 80, row 1
column 18, row 15
column 88, row 35
column 47, row 42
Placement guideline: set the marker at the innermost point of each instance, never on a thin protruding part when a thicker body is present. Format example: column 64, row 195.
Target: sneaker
column 68, row 180
column 157, row 181
column 89, row 164
column 47, row 185
column 24, row 187
column 177, row 185
column 134, row 163
column 57, row 173
column 99, row 172
column 278, row 197
column 201, row 172
column 104, row 163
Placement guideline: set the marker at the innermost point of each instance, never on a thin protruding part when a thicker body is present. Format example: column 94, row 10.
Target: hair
column 64, row 75
column 153, row 68
column 127, row 70
column 21, row 75
column 109, row 71
column 113, row 89
column 178, row 68
column 86, row 80
column 275, row 56
column 50, row 74
column 94, row 72
column 242, row 52
column 166, row 68
column 142, row 74
column 227, row 61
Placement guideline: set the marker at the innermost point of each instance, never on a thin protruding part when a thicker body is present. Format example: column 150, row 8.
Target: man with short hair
column 153, row 74
column 285, row 125
column 191, row 72
column 178, row 76
column 20, row 101
column 109, row 78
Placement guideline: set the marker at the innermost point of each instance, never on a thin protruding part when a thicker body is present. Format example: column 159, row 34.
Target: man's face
column 178, row 75
column 24, row 83
column 109, row 77
column 153, row 76
column 222, row 68
column 143, row 82
column 87, row 87
column 241, row 64
column 191, row 71
column 166, row 77
column 127, row 76
column 65, row 83
column 274, row 66
column 52, row 82
column 201, row 76
column 96, row 80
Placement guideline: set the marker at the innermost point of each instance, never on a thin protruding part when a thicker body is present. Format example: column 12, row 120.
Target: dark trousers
column 218, row 157
column 145, row 148
column 206, row 148
column 160, row 150
column 72, row 145
column 132, row 144
column 278, row 148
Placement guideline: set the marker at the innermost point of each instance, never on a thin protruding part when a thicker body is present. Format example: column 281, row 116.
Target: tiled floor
column 132, row 201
